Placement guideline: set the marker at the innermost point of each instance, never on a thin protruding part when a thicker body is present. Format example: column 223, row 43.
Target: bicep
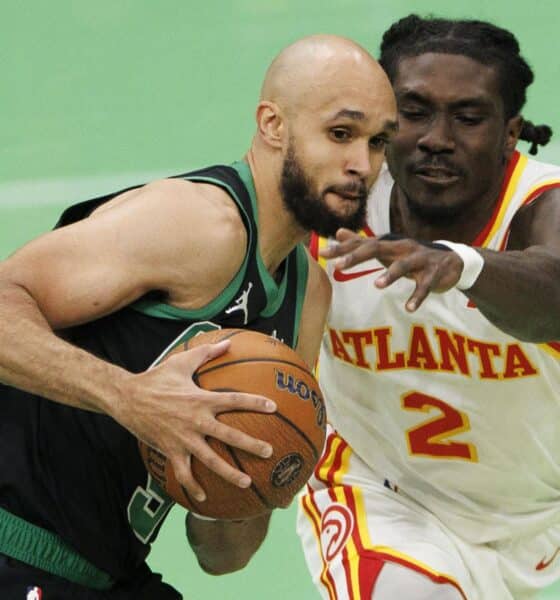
column 96, row 266
column 77, row 273
column 314, row 313
column 156, row 240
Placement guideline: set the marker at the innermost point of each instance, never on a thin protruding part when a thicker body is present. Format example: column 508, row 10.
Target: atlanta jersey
column 441, row 403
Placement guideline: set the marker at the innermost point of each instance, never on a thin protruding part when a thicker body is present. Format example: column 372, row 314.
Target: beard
column 309, row 207
column 438, row 215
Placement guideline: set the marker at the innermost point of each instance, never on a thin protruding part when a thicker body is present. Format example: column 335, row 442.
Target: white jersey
column 453, row 411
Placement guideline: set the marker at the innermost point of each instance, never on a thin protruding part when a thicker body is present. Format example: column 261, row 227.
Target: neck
column 463, row 227
column 278, row 231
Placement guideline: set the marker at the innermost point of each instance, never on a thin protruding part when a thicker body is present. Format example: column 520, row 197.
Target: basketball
column 260, row 364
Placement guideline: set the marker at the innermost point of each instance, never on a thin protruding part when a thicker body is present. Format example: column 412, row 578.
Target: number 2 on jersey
column 432, row 438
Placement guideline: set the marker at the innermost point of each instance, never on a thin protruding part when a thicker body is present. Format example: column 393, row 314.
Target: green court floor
column 97, row 95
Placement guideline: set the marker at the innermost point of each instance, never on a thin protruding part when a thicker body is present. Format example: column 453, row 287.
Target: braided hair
column 481, row 41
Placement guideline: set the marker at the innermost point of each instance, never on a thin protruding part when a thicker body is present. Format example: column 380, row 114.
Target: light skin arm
column 226, row 546
column 81, row 272
column 518, row 290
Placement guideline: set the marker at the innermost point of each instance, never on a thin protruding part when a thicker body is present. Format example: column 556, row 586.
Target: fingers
column 220, row 466
column 183, row 473
column 425, row 273
column 241, row 401
column 236, row 438
column 353, row 252
column 199, row 355
column 343, row 248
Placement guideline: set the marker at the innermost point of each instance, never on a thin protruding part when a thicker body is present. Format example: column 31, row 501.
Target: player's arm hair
column 223, row 547
column 519, row 290
column 314, row 312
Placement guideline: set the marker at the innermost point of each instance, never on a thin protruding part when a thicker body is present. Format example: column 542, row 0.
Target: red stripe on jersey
column 540, row 190
column 337, row 461
column 481, row 237
column 314, row 245
column 374, row 557
column 312, row 510
column 326, row 455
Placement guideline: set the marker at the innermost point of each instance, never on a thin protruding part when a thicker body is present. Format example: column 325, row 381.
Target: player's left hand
column 432, row 269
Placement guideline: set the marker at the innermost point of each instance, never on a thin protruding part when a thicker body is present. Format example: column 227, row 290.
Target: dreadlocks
column 478, row 40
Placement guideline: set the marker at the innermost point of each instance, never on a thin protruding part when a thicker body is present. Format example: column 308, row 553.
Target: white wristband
column 472, row 263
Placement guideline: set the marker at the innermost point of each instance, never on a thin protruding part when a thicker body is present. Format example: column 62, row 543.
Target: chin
column 436, row 212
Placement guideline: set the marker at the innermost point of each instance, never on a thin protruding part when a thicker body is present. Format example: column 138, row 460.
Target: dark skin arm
column 226, row 546
column 517, row 290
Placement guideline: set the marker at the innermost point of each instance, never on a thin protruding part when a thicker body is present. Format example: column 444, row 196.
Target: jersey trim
column 44, row 550
column 552, row 348
column 531, row 196
column 362, row 560
column 167, row 311
column 275, row 293
column 515, row 168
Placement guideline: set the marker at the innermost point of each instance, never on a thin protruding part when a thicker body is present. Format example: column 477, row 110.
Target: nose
column 437, row 137
column 359, row 161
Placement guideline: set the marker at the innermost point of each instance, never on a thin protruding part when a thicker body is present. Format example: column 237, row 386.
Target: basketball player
column 441, row 475
column 87, row 308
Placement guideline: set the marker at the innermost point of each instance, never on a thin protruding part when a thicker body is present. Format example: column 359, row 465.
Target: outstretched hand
column 432, row 269
column 168, row 411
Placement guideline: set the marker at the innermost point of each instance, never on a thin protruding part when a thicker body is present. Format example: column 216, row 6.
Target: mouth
column 437, row 176
column 351, row 197
column 354, row 195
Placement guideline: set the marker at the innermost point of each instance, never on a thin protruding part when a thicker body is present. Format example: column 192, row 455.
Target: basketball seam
column 283, row 418
column 253, row 487
column 302, row 433
column 200, row 372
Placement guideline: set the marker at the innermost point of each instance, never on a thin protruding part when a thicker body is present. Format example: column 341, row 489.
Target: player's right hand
column 164, row 408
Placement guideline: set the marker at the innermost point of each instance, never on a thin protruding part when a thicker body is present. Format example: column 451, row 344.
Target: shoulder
column 187, row 212
column 191, row 232
column 537, row 220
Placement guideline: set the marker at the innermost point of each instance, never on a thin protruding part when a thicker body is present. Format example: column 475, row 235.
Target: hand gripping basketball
column 259, row 364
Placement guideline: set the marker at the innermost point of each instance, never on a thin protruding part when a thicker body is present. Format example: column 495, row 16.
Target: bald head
column 315, row 67
column 325, row 114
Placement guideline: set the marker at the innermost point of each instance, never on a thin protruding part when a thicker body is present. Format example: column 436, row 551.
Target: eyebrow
column 476, row 101
column 358, row 115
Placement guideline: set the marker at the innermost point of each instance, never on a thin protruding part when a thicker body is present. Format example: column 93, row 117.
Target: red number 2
column 432, row 438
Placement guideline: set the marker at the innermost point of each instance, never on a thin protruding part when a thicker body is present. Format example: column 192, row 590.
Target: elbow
column 225, row 566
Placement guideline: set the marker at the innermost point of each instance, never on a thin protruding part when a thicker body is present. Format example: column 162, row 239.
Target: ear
column 270, row 123
column 513, row 130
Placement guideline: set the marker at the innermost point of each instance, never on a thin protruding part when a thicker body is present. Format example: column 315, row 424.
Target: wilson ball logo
column 286, row 470
column 286, row 382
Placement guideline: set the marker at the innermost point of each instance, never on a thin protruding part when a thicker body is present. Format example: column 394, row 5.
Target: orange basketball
column 259, row 364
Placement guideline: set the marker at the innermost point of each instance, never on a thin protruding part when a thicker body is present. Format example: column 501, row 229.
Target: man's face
column 450, row 151
column 303, row 197
column 334, row 153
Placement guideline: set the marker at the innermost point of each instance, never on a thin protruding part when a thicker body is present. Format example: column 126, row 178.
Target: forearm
column 225, row 546
column 519, row 292
column 34, row 358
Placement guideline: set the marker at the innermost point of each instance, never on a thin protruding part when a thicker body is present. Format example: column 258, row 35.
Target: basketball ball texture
column 254, row 363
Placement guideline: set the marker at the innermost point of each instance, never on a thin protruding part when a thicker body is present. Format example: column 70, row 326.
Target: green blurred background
column 98, row 95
